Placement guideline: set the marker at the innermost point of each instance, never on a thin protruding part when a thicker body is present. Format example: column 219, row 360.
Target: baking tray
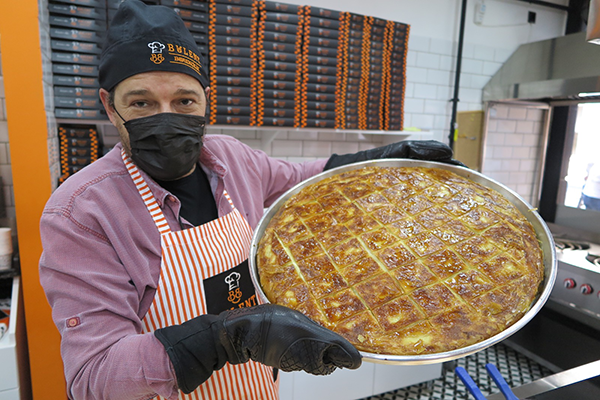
column 540, row 227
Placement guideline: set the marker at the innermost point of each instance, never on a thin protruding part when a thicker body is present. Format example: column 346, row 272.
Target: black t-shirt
column 197, row 201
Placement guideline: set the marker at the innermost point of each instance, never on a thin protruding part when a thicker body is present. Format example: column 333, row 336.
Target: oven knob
column 569, row 283
column 586, row 289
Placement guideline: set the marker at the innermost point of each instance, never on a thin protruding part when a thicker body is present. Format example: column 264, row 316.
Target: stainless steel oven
column 566, row 332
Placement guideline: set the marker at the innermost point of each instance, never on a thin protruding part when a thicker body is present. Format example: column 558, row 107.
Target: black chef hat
column 144, row 38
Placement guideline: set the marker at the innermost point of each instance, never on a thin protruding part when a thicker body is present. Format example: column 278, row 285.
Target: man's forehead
column 159, row 82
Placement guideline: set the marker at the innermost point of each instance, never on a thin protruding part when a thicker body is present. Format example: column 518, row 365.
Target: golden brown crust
column 402, row 261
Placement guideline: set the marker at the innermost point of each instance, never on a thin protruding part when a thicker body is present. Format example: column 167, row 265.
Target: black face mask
column 167, row 145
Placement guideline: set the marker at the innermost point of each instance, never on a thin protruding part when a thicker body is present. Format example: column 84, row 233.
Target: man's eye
column 139, row 104
column 187, row 102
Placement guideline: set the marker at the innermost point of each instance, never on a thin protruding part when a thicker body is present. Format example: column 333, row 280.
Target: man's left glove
column 427, row 150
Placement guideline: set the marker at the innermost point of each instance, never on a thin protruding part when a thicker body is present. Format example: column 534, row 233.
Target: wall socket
column 531, row 17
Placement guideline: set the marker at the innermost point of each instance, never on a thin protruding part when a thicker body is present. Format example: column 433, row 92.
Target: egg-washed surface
column 402, row 260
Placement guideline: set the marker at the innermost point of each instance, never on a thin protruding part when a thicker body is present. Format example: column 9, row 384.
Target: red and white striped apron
column 188, row 257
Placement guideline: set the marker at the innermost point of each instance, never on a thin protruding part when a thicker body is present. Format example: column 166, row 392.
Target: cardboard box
column 233, row 120
column 224, row 30
column 278, row 56
column 352, row 95
column 233, row 51
column 320, row 123
column 324, row 13
column 234, row 71
column 79, row 113
column 279, row 75
column 236, row 2
column 323, row 69
column 276, row 103
column 200, row 38
column 233, row 20
column 191, row 15
column 324, row 61
column 234, row 10
column 244, row 92
column 277, row 37
column 319, row 88
column 77, row 11
column 233, row 81
column 79, row 161
column 77, row 131
column 312, row 114
column 70, row 91
column 279, row 47
column 279, row 94
column 281, row 7
column 278, row 121
column 322, row 51
column 87, row 3
column 327, row 23
column 321, row 97
column 280, row 66
column 320, row 105
column 80, row 152
column 75, row 69
column 233, row 110
column 352, row 104
column 280, row 27
column 190, row 4
column 77, row 23
column 65, row 80
column 233, row 101
column 75, row 58
column 238, row 41
column 322, row 79
column 279, row 112
column 282, row 17
column 324, row 42
column 270, row 84
column 76, row 34
column 86, row 142
column 75, row 47
column 234, row 61
column 194, row 26
column 324, row 33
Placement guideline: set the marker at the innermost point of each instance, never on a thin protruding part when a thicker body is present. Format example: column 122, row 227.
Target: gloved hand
column 429, row 150
column 270, row 334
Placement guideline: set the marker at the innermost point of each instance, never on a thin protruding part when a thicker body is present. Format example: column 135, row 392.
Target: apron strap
column 147, row 196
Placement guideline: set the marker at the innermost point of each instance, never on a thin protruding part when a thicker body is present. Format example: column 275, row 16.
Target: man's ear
column 110, row 110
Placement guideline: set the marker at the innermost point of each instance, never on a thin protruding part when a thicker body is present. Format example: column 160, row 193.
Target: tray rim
column 542, row 232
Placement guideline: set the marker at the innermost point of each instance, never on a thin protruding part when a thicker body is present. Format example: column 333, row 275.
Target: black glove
column 272, row 335
column 428, row 150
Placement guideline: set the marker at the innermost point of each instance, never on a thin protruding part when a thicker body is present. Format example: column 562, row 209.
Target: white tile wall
column 513, row 148
column 6, row 189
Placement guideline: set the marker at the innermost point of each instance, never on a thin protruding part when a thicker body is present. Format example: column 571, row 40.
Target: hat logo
column 157, row 48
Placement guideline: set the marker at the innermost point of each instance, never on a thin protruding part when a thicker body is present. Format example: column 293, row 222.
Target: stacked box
column 79, row 146
column 76, row 33
column 194, row 14
column 396, row 52
column 364, row 73
column 279, row 43
column 321, row 66
column 231, row 35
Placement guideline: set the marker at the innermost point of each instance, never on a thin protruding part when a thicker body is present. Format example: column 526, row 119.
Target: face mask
column 167, row 145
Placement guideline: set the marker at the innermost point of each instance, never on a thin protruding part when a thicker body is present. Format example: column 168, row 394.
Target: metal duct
column 562, row 68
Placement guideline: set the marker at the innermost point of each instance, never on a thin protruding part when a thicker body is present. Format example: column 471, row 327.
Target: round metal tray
column 540, row 227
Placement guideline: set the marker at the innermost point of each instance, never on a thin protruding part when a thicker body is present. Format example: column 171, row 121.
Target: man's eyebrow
column 138, row 92
column 183, row 91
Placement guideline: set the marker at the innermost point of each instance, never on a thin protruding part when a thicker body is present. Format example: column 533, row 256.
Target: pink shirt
column 101, row 262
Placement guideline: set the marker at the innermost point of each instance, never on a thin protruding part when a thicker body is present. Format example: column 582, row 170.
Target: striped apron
column 189, row 258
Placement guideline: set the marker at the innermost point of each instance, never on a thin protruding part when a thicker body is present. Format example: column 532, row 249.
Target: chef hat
column 144, row 38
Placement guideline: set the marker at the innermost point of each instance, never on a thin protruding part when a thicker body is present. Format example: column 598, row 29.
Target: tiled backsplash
column 514, row 147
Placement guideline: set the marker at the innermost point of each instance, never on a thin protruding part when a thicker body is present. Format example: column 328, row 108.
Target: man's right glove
column 272, row 335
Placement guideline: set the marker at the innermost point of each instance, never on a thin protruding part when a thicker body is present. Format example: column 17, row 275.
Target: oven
column 566, row 332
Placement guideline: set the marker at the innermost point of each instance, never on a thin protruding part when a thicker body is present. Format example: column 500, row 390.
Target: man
column 144, row 248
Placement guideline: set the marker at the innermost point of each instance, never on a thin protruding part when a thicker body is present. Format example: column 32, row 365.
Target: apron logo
column 235, row 293
column 157, row 48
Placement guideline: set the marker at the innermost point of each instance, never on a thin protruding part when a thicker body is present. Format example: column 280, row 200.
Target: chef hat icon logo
column 157, row 48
